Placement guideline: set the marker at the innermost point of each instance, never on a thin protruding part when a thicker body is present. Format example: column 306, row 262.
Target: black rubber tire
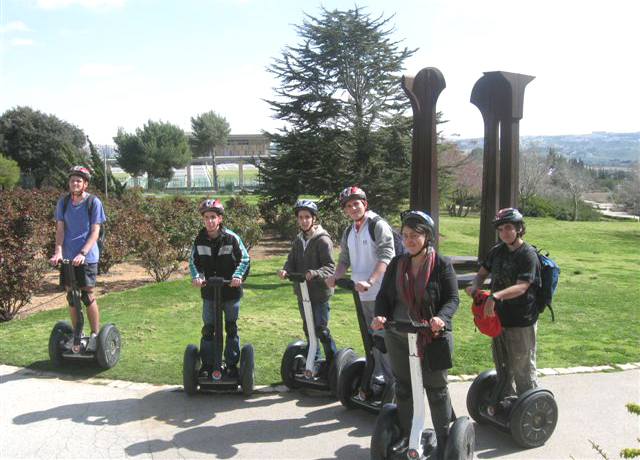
column 386, row 431
column 190, row 367
column 349, row 381
column 461, row 442
column 478, row 395
column 342, row 357
column 288, row 363
column 534, row 418
column 247, row 370
column 58, row 335
column 108, row 350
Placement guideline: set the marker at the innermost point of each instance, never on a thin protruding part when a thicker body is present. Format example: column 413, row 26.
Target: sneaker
column 401, row 446
column 232, row 373
column 92, row 344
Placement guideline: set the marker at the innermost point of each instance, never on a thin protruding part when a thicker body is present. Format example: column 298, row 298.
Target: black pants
column 435, row 384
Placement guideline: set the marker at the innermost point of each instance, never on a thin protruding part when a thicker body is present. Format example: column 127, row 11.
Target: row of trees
column 45, row 147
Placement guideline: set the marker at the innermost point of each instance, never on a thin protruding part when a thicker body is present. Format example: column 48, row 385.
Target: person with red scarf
column 420, row 286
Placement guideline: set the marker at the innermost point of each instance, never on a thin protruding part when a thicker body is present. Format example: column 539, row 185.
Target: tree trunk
column 214, row 168
column 575, row 209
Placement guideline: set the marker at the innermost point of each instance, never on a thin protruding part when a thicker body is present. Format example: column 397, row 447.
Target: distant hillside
column 597, row 148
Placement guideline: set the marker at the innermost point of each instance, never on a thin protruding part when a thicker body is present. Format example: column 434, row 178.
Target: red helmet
column 80, row 171
column 488, row 325
column 349, row 193
column 212, row 205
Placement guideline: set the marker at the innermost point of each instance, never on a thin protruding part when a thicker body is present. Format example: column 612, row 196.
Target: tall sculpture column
column 423, row 91
column 500, row 98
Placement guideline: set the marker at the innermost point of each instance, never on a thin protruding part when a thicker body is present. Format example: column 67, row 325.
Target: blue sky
column 101, row 64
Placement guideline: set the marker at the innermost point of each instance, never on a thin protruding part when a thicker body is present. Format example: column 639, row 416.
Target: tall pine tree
column 342, row 103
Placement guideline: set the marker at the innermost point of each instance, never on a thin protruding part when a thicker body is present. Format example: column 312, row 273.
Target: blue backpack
column 549, row 274
column 397, row 238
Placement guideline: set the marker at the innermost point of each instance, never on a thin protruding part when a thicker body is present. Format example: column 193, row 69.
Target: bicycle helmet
column 212, row 205
column 79, row 171
column 306, row 204
column 508, row 215
column 350, row 193
column 423, row 216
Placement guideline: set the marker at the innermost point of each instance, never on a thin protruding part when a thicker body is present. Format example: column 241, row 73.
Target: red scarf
column 411, row 291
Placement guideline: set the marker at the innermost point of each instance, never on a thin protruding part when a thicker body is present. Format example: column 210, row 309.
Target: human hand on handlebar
column 282, row 274
column 235, row 282
column 377, row 323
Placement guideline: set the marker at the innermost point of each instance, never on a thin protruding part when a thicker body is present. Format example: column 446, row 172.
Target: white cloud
column 57, row 4
column 14, row 25
column 98, row 69
column 21, row 41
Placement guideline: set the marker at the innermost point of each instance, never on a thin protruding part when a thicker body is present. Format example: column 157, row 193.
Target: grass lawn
column 596, row 306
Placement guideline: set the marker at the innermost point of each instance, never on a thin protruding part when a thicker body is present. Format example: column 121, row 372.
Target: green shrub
column 9, row 173
column 334, row 221
column 243, row 219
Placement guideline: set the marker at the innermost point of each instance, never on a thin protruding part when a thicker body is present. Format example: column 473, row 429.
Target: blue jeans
column 232, row 341
column 320, row 319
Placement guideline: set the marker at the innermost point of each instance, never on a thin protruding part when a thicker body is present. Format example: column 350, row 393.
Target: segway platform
column 69, row 344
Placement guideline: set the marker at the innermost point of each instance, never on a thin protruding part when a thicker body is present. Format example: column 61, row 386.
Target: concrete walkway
column 45, row 416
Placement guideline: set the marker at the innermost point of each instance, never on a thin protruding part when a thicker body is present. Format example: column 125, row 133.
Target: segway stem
column 501, row 370
column 70, row 277
column 308, row 319
column 367, row 338
column 216, row 283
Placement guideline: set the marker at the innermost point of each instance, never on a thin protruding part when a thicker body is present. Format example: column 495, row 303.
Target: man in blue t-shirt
column 76, row 235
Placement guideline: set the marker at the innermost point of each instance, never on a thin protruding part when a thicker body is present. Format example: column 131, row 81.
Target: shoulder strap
column 90, row 199
column 372, row 228
column 65, row 203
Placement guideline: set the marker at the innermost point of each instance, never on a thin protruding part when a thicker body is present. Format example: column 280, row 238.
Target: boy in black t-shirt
column 515, row 275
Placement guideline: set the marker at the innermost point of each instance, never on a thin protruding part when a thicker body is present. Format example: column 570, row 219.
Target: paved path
column 44, row 416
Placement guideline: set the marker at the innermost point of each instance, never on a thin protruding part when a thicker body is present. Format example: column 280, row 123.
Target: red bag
column 488, row 325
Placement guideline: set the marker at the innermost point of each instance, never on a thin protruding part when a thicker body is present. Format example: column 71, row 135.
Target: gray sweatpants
column 520, row 345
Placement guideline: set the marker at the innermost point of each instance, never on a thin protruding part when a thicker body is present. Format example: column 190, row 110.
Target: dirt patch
column 129, row 275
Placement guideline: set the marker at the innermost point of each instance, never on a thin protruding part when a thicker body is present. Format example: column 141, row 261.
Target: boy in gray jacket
column 312, row 254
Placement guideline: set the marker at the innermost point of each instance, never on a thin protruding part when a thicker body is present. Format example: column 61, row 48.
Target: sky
column 104, row 64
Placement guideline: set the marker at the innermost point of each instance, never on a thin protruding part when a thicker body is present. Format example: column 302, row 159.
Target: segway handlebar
column 296, row 277
column 346, row 283
column 215, row 281
column 406, row 326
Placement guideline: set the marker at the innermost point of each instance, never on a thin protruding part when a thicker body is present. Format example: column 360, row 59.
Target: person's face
column 355, row 208
column 412, row 240
column 508, row 233
column 211, row 221
column 305, row 220
column 76, row 184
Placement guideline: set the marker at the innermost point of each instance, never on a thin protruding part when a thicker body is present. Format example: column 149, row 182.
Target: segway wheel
column 386, row 431
column 108, row 350
column 461, row 442
column 534, row 418
column 341, row 359
column 478, row 395
column 190, row 366
column 289, row 363
column 246, row 370
column 56, row 339
column 349, row 381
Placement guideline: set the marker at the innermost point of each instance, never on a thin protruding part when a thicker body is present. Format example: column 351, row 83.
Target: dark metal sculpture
column 499, row 96
column 423, row 91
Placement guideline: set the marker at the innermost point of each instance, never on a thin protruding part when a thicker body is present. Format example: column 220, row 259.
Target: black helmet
column 508, row 215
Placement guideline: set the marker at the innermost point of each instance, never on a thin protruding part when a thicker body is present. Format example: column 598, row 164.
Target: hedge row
column 159, row 230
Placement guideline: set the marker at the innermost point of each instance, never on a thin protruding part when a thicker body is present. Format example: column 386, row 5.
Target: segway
column 422, row 441
column 219, row 380
column 529, row 418
column 355, row 388
column 67, row 343
column 299, row 367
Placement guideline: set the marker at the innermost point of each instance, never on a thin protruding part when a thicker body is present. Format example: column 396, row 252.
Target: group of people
column 418, row 285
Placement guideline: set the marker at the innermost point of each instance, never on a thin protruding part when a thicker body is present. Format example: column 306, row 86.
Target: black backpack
column 397, row 238
column 549, row 274
column 90, row 199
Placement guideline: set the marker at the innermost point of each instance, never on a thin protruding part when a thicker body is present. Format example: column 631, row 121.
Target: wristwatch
column 83, row 253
